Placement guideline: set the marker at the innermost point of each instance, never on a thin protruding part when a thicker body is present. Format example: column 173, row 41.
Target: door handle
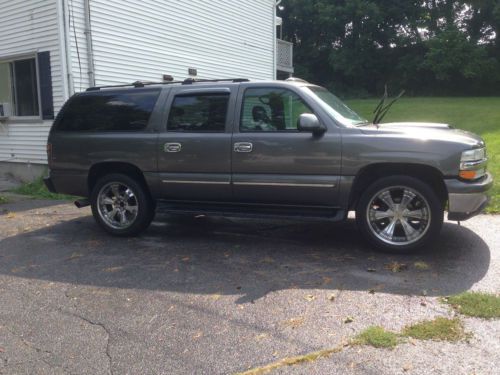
column 172, row 147
column 243, row 147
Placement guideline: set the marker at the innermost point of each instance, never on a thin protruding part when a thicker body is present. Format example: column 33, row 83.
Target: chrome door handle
column 243, row 147
column 172, row 147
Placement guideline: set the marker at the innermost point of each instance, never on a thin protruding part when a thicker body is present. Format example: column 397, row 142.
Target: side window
column 198, row 113
column 271, row 110
column 108, row 111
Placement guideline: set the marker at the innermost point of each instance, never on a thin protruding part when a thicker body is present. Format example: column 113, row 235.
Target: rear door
column 194, row 152
column 274, row 163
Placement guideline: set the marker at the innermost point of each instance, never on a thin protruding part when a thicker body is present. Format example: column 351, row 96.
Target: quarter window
column 198, row 113
column 19, row 87
column 108, row 111
column 271, row 110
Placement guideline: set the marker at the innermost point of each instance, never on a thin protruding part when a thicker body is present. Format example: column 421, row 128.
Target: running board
column 252, row 211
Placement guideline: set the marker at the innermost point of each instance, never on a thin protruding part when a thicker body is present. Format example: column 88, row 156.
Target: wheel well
column 101, row 169
column 368, row 175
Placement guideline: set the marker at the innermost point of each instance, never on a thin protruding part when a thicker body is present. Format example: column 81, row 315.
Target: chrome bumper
column 467, row 199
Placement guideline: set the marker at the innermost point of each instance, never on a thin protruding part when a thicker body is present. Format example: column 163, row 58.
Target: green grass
column 478, row 115
column 440, row 329
column 480, row 305
column 37, row 190
column 3, row 199
column 377, row 337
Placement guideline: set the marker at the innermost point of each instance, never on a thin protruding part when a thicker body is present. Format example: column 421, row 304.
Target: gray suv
column 277, row 148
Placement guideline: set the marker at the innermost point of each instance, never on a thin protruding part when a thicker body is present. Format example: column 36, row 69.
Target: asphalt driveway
column 211, row 295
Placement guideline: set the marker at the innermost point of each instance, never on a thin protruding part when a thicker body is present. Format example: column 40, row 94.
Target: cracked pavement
column 211, row 295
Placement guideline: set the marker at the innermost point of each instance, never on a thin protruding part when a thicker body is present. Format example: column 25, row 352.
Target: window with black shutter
column 26, row 87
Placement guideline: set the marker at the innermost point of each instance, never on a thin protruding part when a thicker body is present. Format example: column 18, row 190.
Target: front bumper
column 467, row 199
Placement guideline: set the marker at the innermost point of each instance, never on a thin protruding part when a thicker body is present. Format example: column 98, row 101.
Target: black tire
column 433, row 224
column 141, row 198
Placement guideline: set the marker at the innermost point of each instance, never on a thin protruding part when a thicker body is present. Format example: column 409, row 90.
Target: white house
column 50, row 49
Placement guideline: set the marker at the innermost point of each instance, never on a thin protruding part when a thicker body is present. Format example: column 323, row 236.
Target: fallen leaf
column 327, row 280
column 396, row 267
column 11, row 215
column 113, row 269
column 216, row 296
column 371, row 291
column 421, row 266
column 407, row 367
column 371, row 270
column 331, row 297
column 294, row 322
column 267, row 260
column 75, row 256
column 348, row 320
column 197, row 335
column 275, row 354
column 186, row 259
column 309, row 297
column 262, row 336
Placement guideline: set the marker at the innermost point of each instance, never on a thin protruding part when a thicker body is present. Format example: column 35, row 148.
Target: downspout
column 90, row 51
column 275, row 35
column 67, row 49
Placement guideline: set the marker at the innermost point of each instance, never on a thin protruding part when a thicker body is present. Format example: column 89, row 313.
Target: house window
column 19, row 87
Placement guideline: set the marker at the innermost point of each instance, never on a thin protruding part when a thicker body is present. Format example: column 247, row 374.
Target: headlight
column 474, row 155
column 473, row 164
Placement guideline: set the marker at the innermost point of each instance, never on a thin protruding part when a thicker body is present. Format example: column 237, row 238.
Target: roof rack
column 188, row 81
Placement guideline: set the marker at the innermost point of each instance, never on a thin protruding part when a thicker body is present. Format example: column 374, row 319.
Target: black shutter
column 45, row 79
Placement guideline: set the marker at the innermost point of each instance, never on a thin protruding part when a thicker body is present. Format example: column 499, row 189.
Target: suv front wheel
column 399, row 214
column 121, row 205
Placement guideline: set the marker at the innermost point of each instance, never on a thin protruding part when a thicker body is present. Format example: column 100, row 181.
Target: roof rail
column 188, row 81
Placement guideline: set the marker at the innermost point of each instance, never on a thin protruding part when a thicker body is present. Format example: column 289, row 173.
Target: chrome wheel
column 399, row 215
column 117, row 205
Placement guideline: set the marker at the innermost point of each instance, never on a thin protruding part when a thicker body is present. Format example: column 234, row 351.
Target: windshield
column 336, row 108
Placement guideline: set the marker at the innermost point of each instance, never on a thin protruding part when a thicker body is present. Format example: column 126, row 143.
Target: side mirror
column 310, row 123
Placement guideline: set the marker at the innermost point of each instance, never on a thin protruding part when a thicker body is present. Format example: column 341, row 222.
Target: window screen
column 198, row 113
column 109, row 111
column 271, row 110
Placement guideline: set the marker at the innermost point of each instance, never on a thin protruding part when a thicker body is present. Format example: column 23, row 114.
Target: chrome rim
column 118, row 206
column 399, row 215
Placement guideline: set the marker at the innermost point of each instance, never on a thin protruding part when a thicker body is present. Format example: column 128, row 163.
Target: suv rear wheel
column 121, row 205
column 399, row 214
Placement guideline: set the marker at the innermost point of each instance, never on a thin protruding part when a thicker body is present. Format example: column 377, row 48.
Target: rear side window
column 108, row 111
column 198, row 113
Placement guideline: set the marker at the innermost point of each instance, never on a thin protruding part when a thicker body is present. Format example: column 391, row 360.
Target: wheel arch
column 102, row 169
column 371, row 173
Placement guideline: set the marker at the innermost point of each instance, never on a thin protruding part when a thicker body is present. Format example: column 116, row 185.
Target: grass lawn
column 478, row 115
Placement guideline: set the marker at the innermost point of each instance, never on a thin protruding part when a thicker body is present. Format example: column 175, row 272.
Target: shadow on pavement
column 242, row 257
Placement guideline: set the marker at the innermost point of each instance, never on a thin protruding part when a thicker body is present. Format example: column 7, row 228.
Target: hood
column 426, row 131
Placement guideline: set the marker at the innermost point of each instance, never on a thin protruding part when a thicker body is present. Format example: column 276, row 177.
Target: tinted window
column 271, row 110
column 109, row 111
column 198, row 113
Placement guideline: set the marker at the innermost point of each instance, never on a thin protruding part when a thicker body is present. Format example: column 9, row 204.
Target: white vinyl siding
column 143, row 40
column 28, row 27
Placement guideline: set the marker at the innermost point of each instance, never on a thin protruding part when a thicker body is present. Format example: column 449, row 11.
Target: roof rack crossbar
column 188, row 81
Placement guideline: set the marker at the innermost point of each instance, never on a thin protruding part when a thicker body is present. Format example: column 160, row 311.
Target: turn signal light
column 468, row 175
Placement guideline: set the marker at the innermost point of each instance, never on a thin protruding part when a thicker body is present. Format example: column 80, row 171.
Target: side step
column 252, row 211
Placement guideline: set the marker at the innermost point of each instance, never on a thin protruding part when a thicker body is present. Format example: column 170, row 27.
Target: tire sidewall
column 435, row 206
column 145, row 205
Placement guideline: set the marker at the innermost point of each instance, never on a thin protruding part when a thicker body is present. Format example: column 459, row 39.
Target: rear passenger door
column 194, row 155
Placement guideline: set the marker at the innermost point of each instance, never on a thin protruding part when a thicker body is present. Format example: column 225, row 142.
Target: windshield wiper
column 383, row 108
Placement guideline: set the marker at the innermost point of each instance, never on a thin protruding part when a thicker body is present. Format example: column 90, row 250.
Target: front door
column 274, row 163
column 194, row 156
